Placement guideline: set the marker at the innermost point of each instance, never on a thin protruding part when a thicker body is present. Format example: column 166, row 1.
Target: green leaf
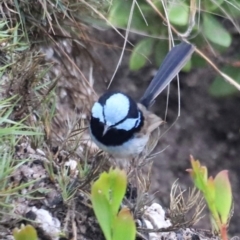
column 144, row 18
column 124, row 226
column 223, row 195
column 211, row 6
column 160, row 51
column 209, row 194
column 221, row 88
column 231, row 9
column 199, row 174
column 106, row 195
column 215, row 32
column 188, row 66
column 118, row 186
column 178, row 13
column 101, row 205
column 27, row 232
column 119, row 13
column 140, row 53
column 198, row 61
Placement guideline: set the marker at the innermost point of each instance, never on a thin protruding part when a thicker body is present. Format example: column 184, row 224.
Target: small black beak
column 105, row 129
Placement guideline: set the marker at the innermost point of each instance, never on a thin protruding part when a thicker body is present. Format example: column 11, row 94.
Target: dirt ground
column 208, row 128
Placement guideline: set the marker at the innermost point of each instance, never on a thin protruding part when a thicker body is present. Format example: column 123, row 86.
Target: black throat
column 113, row 137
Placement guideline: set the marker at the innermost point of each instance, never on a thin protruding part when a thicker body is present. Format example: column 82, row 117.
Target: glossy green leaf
column 27, row 232
column 140, row 54
column 221, row 88
column 215, row 32
column 101, row 204
column 124, row 226
column 178, row 13
column 223, row 197
column 106, row 195
column 118, row 186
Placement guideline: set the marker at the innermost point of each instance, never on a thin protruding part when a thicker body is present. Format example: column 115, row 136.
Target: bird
column 124, row 128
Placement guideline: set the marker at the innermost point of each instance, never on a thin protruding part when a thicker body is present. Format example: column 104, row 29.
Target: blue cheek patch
column 116, row 108
column 97, row 112
column 138, row 120
column 128, row 124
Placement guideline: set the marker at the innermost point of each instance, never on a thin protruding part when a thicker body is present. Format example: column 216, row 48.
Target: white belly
column 132, row 148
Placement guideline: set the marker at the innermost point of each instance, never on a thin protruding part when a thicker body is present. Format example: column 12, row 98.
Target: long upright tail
column 171, row 66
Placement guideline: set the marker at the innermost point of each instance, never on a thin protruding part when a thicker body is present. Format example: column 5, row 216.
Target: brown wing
column 151, row 121
column 151, row 128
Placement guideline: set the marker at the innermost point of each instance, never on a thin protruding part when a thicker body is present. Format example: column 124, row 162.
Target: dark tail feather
column 171, row 66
